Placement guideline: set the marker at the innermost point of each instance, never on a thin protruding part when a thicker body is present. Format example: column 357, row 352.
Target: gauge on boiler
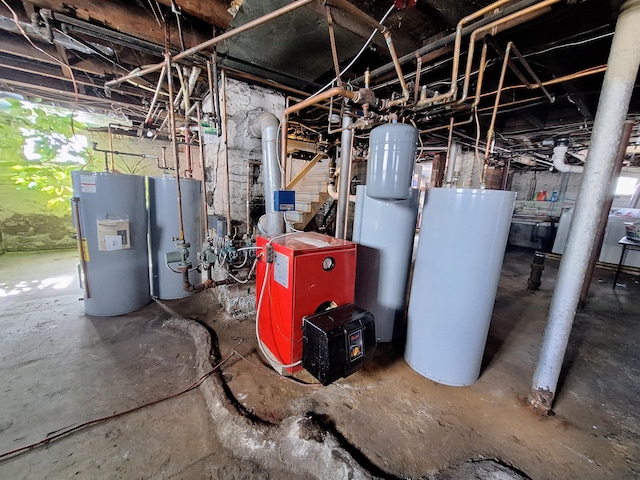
column 328, row 263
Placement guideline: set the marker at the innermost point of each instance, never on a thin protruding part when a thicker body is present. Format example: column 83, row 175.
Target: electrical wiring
column 16, row 20
column 355, row 59
column 255, row 262
column 261, row 345
column 67, row 431
column 271, row 372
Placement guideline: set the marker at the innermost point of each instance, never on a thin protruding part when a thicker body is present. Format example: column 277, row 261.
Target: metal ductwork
column 266, row 127
column 560, row 155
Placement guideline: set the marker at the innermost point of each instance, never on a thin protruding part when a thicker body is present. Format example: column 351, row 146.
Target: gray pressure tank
column 460, row 251
column 164, row 226
column 384, row 231
column 113, row 219
column 392, row 156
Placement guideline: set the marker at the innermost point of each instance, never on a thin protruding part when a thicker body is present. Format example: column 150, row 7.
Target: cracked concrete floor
column 59, row 368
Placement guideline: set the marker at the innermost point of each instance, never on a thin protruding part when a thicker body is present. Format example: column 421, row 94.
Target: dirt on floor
column 58, row 367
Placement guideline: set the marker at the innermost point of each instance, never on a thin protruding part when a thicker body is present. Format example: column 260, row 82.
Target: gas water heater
column 304, row 277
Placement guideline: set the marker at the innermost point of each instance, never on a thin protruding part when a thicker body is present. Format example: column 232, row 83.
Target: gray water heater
column 462, row 241
column 164, row 226
column 392, row 156
column 113, row 222
column 384, row 231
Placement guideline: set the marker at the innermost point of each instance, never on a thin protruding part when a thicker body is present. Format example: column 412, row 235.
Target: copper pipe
column 444, row 127
column 493, row 25
column 528, row 68
column 284, row 125
column 334, row 48
column 203, row 170
column 396, row 63
column 481, row 69
column 232, row 73
column 147, row 120
column 416, row 87
column 214, row 41
column 223, row 116
column 113, row 163
column 174, row 143
column 187, row 134
column 566, row 78
column 456, row 49
column 496, row 104
column 449, row 142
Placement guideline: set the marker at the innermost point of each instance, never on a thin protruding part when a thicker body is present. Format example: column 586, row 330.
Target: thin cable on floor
column 273, row 372
column 67, row 431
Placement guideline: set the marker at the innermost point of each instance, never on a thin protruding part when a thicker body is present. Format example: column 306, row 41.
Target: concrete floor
column 59, row 368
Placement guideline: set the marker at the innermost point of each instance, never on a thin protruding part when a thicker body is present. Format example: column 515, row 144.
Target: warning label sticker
column 113, row 235
column 356, row 345
column 88, row 183
column 281, row 269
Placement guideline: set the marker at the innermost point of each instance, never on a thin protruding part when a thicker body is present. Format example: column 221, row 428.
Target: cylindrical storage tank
column 392, row 155
column 164, row 226
column 384, row 231
column 460, row 251
column 113, row 220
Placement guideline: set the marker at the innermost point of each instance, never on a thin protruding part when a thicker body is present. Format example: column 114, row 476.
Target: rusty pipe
column 403, row 84
column 491, row 26
column 147, row 120
column 356, row 12
column 203, row 170
column 223, row 122
column 496, row 104
column 456, row 50
column 111, row 147
column 212, row 42
column 334, row 48
column 528, row 68
column 187, row 134
column 174, row 144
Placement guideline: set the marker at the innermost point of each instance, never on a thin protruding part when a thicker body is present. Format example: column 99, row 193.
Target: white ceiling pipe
column 559, row 160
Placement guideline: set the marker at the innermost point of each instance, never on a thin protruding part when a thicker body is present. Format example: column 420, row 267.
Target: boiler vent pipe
column 266, row 126
column 622, row 69
column 345, row 175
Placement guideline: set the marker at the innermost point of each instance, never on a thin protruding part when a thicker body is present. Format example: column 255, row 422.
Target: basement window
column 626, row 185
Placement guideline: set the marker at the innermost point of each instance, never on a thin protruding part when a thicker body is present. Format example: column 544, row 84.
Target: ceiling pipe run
column 623, row 63
column 559, row 158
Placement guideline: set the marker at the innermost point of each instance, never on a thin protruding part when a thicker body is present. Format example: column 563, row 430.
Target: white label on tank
column 88, row 183
column 281, row 269
column 313, row 241
column 113, row 242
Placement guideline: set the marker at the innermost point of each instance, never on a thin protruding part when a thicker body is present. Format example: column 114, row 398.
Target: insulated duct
column 559, row 158
column 266, row 127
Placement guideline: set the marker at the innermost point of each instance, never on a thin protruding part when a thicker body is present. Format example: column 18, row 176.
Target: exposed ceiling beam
column 215, row 12
column 126, row 18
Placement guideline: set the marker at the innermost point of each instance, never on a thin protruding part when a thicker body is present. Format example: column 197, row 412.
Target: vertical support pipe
column 334, row 48
column 174, row 144
column 223, row 122
column 188, row 172
column 203, row 170
column 604, row 215
column 622, row 69
column 345, row 171
column 75, row 203
column 111, row 148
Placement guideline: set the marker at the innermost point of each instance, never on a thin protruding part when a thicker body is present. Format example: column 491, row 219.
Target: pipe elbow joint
column 266, row 120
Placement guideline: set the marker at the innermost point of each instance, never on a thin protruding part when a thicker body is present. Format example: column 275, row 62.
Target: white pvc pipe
column 451, row 164
column 558, row 160
column 622, row 69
